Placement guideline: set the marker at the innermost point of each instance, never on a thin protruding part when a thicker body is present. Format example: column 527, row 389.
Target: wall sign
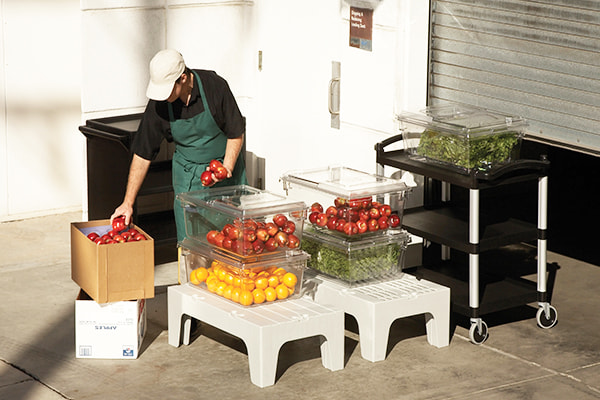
column 361, row 28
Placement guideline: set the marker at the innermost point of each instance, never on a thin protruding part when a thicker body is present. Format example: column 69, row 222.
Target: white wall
column 41, row 148
column 89, row 59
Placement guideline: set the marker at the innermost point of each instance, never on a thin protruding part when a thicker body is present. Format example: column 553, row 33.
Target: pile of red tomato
column 354, row 216
column 249, row 237
column 119, row 234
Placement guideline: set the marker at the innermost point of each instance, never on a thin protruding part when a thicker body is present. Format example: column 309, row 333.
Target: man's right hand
column 124, row 210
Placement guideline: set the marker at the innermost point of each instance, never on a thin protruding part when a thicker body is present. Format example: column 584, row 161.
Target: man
column 196, row 110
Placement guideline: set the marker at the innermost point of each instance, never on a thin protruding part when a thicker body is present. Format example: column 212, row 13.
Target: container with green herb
column 463, row 137
column 355, row 260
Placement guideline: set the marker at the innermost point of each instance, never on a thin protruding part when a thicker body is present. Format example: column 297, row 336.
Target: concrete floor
column 518, row 361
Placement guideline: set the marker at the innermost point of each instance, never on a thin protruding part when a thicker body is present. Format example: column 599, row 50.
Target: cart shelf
column 449, row 226
column 465, row 229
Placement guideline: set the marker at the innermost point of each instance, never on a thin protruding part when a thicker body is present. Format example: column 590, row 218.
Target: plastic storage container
column 251, row 281
column 356, row 260
column 463, row 137
column 348, row 201
column 243, row 220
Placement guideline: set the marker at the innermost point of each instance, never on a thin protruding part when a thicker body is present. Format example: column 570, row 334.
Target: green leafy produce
column 354, row 265
column 468, row 152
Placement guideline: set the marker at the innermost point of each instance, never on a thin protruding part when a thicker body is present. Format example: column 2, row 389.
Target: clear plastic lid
column 359, row 242
column 344, row 182
column 462, row 120
column 278, row 258
column 241, row 201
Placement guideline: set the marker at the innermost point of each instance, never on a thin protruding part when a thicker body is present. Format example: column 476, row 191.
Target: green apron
column 198, row 140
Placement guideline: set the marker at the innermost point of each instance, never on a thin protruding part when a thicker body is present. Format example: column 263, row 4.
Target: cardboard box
column 111, row 272
column 113, row 330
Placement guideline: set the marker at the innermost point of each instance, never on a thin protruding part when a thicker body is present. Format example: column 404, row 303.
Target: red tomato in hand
column 220, row 173
column 118, row 224
column 206, row 178
column 214, row 165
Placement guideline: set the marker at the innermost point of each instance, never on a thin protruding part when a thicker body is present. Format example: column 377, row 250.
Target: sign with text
column 361, row 28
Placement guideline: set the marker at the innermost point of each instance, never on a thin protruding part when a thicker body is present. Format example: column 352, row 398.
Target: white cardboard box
column 111, row 330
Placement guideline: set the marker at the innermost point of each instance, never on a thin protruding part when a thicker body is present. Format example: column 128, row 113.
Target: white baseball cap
column 165, row 68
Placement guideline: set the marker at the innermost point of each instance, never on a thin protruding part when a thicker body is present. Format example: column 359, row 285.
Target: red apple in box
column 118, row 223
column 93, row 236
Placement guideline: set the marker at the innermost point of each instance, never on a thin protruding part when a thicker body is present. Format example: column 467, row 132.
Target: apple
column 353, row 215
column 118, row 238
column 331, row 223
column 250, row 224
column 331, row 211
column 339, row 225
column 312, row 217
column 316, row 207
column 226, row 229
column 118, row 224
column 293, row 241
column 112, row 233
column 361, row 224
column 262, row 234
column 271, row 244
column 322, row 219
column 350, row 228
column 247, row 249
column 213, row 165
column 219, row 237
column 258, row 246
column 374, row 213
column 383, row 222
column 98, row 240
column 220, row 173
column 385, row 209
column 93, row 236
column 373, row 225
column 126, row 235
column 227, row 243
column 249, row 235
column 281, row 238
column 363, row 214
column 271, row 228
column 105, row 238
column 133, row 231
column 280, row 220
column 340, row 202
column 234, row 233
column 289, row 227
column 210, row 236
column 206, row 178
column 139, row 237
column 394, row 220
column 343, row 213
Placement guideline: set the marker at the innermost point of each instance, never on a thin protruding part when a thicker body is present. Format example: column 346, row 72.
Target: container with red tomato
column 348, row 201
column 243, row 220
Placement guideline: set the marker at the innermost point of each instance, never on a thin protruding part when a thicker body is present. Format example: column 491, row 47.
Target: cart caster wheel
column 546, row 322
column 476, row 336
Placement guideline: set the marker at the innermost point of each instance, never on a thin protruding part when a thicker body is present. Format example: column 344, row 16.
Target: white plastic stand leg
column 264, row 329
column 376, row 306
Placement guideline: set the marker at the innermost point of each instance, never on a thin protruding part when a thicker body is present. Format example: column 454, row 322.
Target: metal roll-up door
column 537, row 59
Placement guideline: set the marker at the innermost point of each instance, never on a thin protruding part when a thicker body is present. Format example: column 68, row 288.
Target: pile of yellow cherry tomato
column 250, row 286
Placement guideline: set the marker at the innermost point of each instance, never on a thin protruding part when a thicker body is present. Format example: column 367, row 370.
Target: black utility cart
column 461, row 227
